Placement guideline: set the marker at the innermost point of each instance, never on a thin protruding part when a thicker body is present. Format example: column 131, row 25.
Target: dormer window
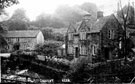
column 82, row 35
column 111, row 34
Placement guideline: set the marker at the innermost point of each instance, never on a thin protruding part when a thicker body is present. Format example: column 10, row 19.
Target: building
column 88, row 37
column 61, row 51
column 76, row 37
column 104, row 37
column 26, row 38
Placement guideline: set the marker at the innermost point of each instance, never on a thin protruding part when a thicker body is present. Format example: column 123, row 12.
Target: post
column 26, row 79
column 0, row 69
column 125, row 53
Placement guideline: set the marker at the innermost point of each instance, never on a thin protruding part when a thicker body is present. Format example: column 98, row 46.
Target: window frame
column 82, row 36
column 111, row 34
column 70, row 36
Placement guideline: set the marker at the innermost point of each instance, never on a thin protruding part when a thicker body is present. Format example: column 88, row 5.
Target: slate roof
column 22, row 33
column 94, row 26
column 87, row 23
column 71, row 28
column 77, row 25
column 98, row 25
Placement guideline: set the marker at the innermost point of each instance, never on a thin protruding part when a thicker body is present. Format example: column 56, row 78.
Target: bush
column 78, row 63
column 49, row 48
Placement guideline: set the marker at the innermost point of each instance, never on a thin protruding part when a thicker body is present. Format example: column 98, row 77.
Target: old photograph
column 67, row 41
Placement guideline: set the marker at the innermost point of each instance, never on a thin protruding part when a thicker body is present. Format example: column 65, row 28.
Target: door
column 106, row 53
column 76, row 52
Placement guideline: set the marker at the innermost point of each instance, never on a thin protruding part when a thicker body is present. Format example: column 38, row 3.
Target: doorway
column 76, row 52
column 106, row 53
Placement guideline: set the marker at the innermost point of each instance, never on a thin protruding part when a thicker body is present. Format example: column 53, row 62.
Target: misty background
column 53, row 26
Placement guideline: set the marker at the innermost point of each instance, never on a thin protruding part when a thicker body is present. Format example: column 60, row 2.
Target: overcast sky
column 35, row 7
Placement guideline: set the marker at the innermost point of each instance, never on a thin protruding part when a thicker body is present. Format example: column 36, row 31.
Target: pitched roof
column 22, row 33
column 84, row 26
column 77, row 25
column 71, row 28
column 98, row 25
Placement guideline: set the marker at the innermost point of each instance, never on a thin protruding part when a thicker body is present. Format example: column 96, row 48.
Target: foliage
column 18, row 21
column 48, row 34
column 7, row 3
column 45, row 20
column 19, row 14
column 4, row 4
column 17, row 25
column 16, row 46
column 59, row 37
column 78, row 63
column 49, row 48
column 126, row 9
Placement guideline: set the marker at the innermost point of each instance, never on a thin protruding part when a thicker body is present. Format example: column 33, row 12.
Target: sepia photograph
column 67, row 41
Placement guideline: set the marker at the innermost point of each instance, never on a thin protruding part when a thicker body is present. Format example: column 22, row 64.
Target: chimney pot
column 87, row 17
column 100, row 14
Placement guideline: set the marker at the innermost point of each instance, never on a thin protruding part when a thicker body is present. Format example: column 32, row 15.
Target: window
column 70, row 50
column 17, row 39
column 120, row 45
column 8, row 39
column 70, row 36
column 76, row 40
column 82, row 50
column 111, row 34
column 83, row 35
column 94, row 49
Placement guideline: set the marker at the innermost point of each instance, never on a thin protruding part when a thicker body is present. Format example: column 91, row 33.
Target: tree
column 126, row 15
column 49, row 48
column 48, row 34
column 58, row 37
column 5, row 4
column 16, row 46
column 46, row 20
column 19, row 20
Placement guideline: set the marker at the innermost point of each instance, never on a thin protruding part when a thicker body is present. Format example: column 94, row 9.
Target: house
column 26, row 38
column 88, row 37
column 76, row 37
column 105, row 37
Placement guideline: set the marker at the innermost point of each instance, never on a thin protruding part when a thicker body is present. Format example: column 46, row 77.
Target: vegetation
column 4, row 4
column 18, row 21
column 49, row 48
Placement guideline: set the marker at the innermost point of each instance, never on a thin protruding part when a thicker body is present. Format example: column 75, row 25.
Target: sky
column 35, row 7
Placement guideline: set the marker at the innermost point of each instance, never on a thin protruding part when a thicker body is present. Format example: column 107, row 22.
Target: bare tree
column 125, row 18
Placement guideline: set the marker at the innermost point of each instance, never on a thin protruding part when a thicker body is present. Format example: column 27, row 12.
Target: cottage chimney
column 100, row 14
column 87, row 17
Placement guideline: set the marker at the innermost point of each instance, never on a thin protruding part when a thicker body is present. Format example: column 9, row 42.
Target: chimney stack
column 100, row 14
column 87, row 17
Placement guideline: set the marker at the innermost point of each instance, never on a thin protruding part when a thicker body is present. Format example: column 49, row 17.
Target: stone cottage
column 89, row 36
column 27, row 38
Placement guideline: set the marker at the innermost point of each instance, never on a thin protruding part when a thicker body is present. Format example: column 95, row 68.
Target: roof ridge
column 23, row 33
column 24, row 30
